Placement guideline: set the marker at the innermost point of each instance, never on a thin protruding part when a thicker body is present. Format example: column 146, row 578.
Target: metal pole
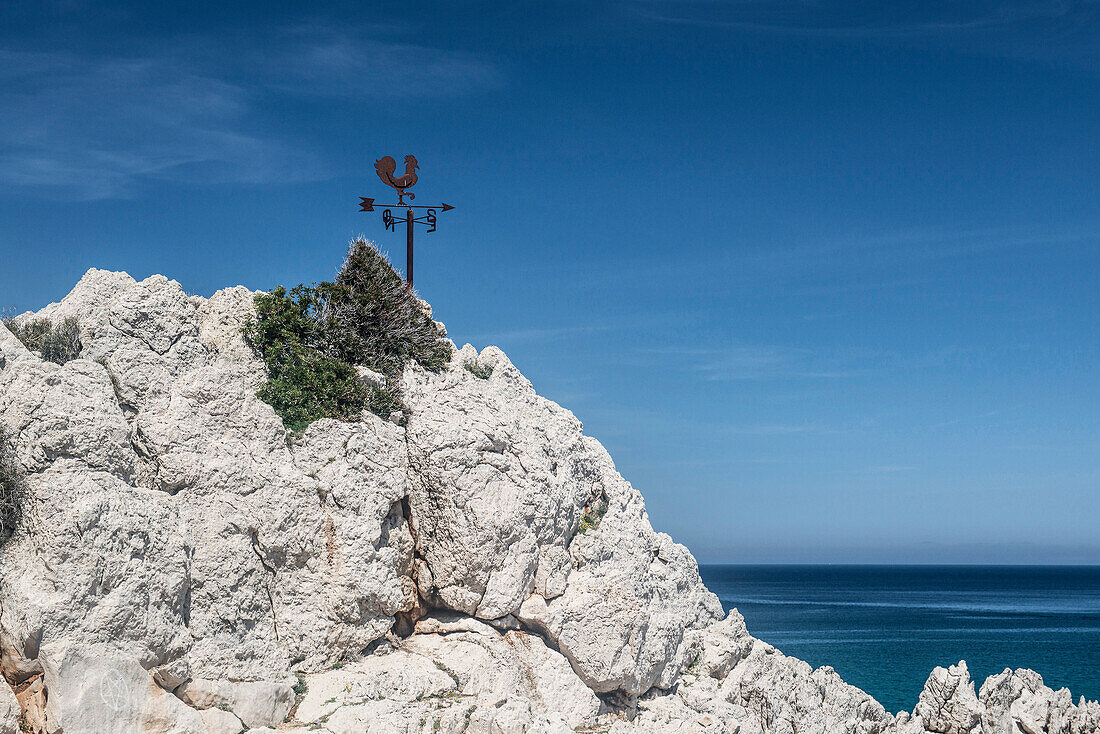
column 409, row 247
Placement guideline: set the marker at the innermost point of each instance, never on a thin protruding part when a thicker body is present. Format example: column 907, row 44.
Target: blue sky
column 823, row 277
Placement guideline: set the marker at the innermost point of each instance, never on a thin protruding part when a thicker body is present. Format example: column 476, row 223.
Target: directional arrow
column 367, row 205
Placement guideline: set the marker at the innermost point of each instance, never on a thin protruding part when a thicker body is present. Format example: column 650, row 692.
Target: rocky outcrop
column 173, row 526
column 187, row 565
column 948, row 704
column 1017, row 700
column 1012, row 702
column 501, row 482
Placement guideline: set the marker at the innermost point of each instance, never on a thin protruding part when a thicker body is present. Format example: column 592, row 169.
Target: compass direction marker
column 386, row 169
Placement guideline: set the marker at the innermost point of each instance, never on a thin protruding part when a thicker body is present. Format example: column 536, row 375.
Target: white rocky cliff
column 187, row 566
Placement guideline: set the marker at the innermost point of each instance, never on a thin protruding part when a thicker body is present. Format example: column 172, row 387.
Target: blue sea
column 885, row 627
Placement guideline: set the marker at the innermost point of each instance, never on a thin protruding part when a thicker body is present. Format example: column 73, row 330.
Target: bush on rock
column 478, row 370
column 56, row 343
column 371, row 317
column 312, row 337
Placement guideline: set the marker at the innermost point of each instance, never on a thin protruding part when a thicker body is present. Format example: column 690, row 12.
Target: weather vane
column 386, row 167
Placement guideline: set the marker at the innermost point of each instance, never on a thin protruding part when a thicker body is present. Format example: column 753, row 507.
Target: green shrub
column 284, row 327
column 57, row 343
column 13, row 491
column 478, row 370
column 312, row 387
column 303, row 384
column 383, row 400
column 311, row 337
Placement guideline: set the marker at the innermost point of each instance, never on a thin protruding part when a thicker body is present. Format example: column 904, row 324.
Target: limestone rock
column 106, row 564
column 31, row 697
column 785, row 694
column 218, row 721
column 184, row 558
column 171, row 516
column 502, row 480
column 631, row 599
column 10, row 712
column 1018, row 701
column 258, row 703
column 97, row 689
column 948, row 704
column 724, row 645
column 455, row 675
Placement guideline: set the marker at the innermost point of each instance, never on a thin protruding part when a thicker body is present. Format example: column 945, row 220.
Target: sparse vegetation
column 592, row 516
column 448, row 671
column 58, row 343
column 478, row 370
column 14, row 497
column 312, row 336
column 300, row 690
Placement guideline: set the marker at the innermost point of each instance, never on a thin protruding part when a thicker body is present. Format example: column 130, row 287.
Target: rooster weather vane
column 386, row 167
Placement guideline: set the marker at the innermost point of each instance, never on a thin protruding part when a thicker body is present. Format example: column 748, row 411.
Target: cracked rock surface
column 187, row 566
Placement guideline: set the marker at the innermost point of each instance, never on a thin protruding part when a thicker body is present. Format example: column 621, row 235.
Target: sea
column 884, row 628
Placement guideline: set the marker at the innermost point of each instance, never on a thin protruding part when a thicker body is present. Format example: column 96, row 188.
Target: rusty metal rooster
column 387, row 166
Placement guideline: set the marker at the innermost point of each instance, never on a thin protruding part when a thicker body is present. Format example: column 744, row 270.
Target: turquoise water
column 885, row 627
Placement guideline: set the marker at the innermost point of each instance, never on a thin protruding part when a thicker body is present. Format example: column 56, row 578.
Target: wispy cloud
column 654, row 321
column 96, row 126
column 551, row 333
column 983, row 418
column 1063, row 30
column 888, row 469
column 779, row 429
column 770, row 362
column 632, row 417
column 844, row 261
column 911, row 246
column 93, row 128
column 856, row 20
column 323, row 61
column 722, row 461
